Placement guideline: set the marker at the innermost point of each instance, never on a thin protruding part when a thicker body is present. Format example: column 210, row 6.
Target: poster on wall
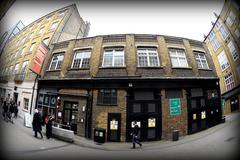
column 151, row 122
column 138, row 123
column 175, row 106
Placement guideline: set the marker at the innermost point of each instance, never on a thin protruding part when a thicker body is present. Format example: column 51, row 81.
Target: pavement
column 125, row 146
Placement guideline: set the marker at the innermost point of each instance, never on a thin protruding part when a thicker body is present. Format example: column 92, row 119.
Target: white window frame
column 229, row 81
column 80, row 55
column 178, row 56
column 222, row 30
column 237, row 32
column 24, row 67
column 214, row 41
column 114, row 53
column 54, row 25
column 233, row 50
column 200, row 57
column 231, row 18
column 46, row 41
column 26, row 101
column 41, row 30
column 16, row 68
column 148, row 51
column 57, row 61
column 223, row 61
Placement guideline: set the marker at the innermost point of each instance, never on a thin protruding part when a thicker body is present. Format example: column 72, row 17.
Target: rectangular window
column 107, row 97
column 41, row 31
column 24, row 66
column 178, row 58
column 237, row 32
column 147, row 57
column 171, row 93
column 32, row 46
column 54, row 26
column 223, row 61
column 214, row 41
column 222, row 30
column 16, row 68
column 229, row 81
column 201, row 60
column 81, row 59
column 231, row 18
column 46, row 41
column 113, row 57
column 233, row 50
column 61, row 13
column 26, row 103
column 56, row 62
column 30, row 35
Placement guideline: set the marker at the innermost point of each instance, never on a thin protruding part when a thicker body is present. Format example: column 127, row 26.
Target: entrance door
column 114, row 127
column 234, row 104
column 70, row 114
column 15, row 97
column 144, row 107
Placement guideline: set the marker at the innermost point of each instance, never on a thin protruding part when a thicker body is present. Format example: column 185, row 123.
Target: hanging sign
column 203, row 114
column 175, row 106
column 194, row 116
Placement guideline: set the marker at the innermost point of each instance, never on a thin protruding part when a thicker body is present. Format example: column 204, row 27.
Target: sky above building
column 189, row 19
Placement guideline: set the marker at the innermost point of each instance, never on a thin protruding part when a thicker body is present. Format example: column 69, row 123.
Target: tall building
column 223, row 41
column 164, row 83
column 21, row 53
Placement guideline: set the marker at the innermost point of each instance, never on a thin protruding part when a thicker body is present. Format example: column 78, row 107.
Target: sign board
column 138, row 123
column 38, row 59
column 27, row 120
column 151, row 122
column 203, row 114
column 175, row 106
column 113, row 125
column 47, row 100
column 194, row 116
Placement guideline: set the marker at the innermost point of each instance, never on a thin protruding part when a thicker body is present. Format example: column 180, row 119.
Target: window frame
column 177, row 56
column 57, row 62
column 147, row 54
column 113, row 57
column 229, row 81
column 32, row 46
column 197, row 53
column 83, row 53
column 233, row 50
column 221, row 60
column 24, row 102
column 102, row 99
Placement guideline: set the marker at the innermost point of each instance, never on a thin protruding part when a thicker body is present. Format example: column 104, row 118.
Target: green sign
column 223, row 102
column 175, row 106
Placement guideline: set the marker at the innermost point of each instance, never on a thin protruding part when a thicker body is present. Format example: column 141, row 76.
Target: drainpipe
column 33, row 93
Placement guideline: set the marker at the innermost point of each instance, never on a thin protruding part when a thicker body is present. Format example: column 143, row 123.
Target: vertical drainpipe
column 33, row 93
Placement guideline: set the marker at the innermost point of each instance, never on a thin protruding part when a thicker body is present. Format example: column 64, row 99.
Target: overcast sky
column 189, row 19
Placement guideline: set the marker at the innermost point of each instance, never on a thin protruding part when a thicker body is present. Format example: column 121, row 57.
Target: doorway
column 70, row 114
column 114, row 127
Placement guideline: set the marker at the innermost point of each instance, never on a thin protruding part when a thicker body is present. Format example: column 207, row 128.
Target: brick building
column 162, row 82
column 224, row 46
column 16, row 78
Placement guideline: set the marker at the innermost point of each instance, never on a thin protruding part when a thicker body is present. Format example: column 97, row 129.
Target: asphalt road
column 18, row 142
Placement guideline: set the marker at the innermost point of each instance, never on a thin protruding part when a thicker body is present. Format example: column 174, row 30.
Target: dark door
column 234, row 102
column 70, row 114
column 144, row 107
column 15, row 97
column 114, row 127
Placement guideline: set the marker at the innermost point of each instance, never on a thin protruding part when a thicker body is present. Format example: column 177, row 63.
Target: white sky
column 189, row 19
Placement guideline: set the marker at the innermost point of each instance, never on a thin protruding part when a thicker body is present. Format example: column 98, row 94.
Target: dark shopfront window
column 107, row 97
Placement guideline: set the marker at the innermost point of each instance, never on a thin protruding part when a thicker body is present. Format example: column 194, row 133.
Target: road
column 220, row 142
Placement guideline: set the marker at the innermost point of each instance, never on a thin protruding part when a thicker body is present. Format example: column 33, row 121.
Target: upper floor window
column 61, row 13
column 237, row 32
column 229, row 81
column 223, row 61
column 32, row 46
column 41, row 30
column 46, row 41
column 81, row 59
column 56, row 62
column 54, row 26
column 201, row 60
column 214, row 41
column 233, row 50
column 107, row 97
column 222, row 30
column 147, row 57
column 16, row 68
column 24, row 66
column 231, row 18
column 178, row 58
column 113, row 57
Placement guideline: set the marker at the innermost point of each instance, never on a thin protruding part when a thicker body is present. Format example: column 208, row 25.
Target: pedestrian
column 11, row 110
column 49, row 122
column 16, row 109
column 37, row 123
column 5, row 110
column 135, row 135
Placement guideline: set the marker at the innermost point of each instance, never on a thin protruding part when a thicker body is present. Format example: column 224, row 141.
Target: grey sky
column 190, row 19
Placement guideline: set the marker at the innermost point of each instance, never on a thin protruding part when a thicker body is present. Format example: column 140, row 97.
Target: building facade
column 164, row 83
column 16, row 76
column 224, row 46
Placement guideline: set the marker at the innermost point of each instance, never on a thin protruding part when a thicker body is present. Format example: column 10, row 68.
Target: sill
column 150, row 67
column 77, row 69
column 121, row 67
column 56, row 70
column 100, row 104
column 205, row 69
column 190, row 68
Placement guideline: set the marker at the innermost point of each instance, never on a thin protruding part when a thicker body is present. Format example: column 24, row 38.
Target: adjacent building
column 224, row 45
column 19, row 55
column 164, row 83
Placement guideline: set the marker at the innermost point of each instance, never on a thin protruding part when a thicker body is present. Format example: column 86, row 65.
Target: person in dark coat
column 135, row 138
column 37, row 123
column 11, row 110
column 49, row 123
column 5, row 110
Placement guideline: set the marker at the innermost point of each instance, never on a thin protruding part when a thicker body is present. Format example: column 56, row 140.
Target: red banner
column 38, row 59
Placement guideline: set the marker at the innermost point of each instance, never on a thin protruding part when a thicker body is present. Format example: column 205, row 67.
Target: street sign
column 175, row 106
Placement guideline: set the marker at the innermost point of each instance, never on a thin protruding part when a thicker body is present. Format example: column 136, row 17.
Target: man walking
column 37, row 123
column 135, row 138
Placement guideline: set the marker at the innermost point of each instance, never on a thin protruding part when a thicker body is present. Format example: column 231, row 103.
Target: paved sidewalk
column 123, row 146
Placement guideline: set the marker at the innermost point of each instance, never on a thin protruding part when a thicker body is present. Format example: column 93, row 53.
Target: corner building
column 162, row 82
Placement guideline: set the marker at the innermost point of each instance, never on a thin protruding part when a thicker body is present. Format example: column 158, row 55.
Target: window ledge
column 205, row 69
column 56, row 70
column 122, row 67
column 182, row 68
column 100, row 104
column 150, row 67
column 77, row 69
